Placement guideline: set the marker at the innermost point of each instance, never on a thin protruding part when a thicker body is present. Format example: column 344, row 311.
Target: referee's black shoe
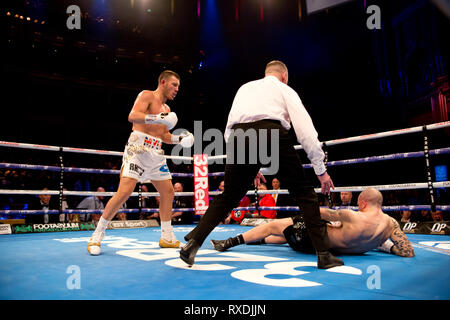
column 326, row 260
column 188, row 252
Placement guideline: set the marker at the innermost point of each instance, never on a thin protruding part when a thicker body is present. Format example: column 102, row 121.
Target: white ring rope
column 371, row 136
column 378, row 135
column 386, row 187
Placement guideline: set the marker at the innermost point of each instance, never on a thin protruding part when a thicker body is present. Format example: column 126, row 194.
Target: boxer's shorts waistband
column 144, row 139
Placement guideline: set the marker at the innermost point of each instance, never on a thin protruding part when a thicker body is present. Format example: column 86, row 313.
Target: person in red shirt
column 266, row 200
column 238, row 215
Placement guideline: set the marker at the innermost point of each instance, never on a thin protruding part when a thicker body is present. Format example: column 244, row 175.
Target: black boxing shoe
column 188, row 252
column 326, row 260
column 221, row 245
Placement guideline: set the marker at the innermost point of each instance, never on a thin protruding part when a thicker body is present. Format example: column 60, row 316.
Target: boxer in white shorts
column 143, row 159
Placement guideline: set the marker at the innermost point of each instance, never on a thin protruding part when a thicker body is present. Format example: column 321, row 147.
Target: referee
column 267, row 107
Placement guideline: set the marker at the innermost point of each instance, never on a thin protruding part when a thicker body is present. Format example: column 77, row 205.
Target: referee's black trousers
column 239, row 179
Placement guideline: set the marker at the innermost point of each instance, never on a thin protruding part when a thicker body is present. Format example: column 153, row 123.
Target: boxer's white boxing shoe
column 94, row 243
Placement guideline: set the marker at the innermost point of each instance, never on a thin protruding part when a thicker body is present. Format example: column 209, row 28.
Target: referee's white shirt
column 269, row 98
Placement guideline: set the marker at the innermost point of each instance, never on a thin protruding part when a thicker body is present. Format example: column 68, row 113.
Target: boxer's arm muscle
column 329, row 214
column 335, row 215
column 402, row 247
column 167, row 137
column 138, row 112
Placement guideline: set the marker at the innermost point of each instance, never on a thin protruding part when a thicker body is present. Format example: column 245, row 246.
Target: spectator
column 393, row 199
column 155, row 215
column 148, row 202
column 276, row 186
column 427, row 216
column 119, row 216
column 92, row 203
column 346, row 198
column 412, row 199
column 406, row 216
column 236, row 216
column 265, row 200
column 67, row 203
column 419, row 216
column 220, row 188
column 82, row 184
column 282, row 200
column 145, row 200
column 181, row 217
column 42, row 202
column 437, row 216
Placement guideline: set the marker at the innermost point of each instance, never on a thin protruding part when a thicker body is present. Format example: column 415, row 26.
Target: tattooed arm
column 402, row 247
column 336, row 215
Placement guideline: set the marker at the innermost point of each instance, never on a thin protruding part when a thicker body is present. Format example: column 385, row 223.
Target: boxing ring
column 38, row 265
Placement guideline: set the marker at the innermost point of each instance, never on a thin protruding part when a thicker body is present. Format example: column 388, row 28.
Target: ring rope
column 6, row 165
column 399, row 186
column 371, row 136
column 355, row 208
column 287, row 208
column 384, row 134
column 395, row 156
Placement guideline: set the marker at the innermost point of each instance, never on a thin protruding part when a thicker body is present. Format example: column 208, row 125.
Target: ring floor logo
column 287, row 272
column 442, row 247
column 189, row 229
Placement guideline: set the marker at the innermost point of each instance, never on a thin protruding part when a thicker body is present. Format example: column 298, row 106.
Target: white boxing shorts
column 143, row 158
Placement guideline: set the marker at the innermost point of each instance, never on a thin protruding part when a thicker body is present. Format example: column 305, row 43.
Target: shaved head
column 372, row 196
column 275, row 66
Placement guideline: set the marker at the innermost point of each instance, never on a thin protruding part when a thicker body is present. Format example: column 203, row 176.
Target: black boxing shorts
column 297, row 236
